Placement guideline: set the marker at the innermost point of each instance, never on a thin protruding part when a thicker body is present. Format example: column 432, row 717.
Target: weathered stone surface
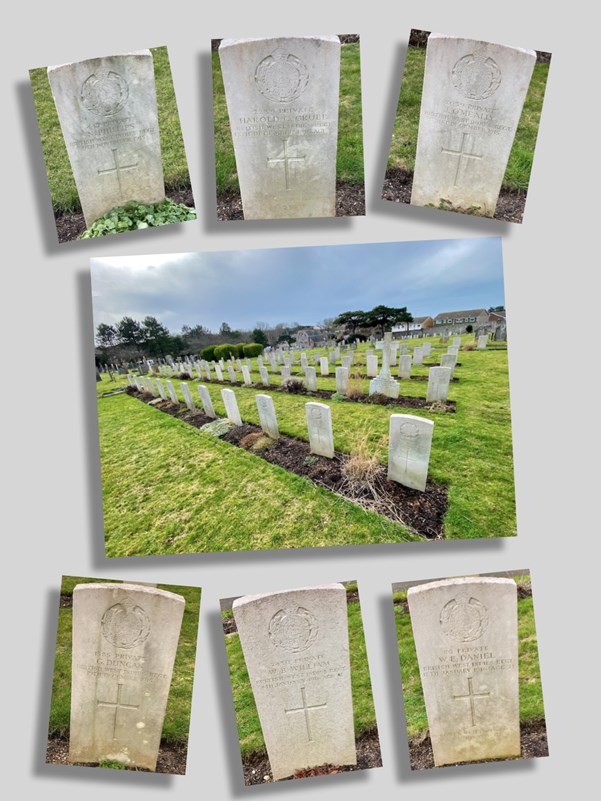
column 453, row 350
column 267, row 416
column 324, row 365
column 385, row 384
column 449, row 360
column 188, row 400
column 319, row 424
column 438, row 383
column 161, row 389
column 296, row 650
column 457, row 342
column 405, row 366
column 231, row 373
column 311, row 378
column 341, row 380
column 108, row 116
column 409, row 450
column 466, row 639
column 246, row 376
column 371, row 366
column 418, row 355
column 124, row 643
column 172, row 392
column 482, row 341
column 231, row 406
column 472, row 98
column 282, row 99
column 264, row 376
column 218, row 372
column 205, row 399
column 426, row 349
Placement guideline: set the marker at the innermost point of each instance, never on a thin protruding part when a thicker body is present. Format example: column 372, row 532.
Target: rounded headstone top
column 124, row 587
column 246, row 599
column 461, row 582
column 100, row 58
column 273, row 39
column 481, row 42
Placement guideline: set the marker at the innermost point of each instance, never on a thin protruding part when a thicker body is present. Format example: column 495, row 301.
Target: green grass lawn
column 349, row 161
column 530, row 688
column 249, row 727
column 406, row 123
column 170, row 488
column 177, row 715
column 60, row 178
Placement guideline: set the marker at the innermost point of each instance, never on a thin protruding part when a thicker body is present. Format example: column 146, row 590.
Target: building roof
column 457, row 315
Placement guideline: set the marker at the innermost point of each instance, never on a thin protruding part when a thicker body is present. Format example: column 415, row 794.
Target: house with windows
column 310, row 338
column 416, row 328
column 456, row 322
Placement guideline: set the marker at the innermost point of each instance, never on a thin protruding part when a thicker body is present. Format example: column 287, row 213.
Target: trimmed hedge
column 208, row 353
column 252, row 349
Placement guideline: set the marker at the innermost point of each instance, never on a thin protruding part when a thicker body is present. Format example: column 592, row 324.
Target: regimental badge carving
column 476, row 76
column 409, row 431
column 281, row 76
column 463, row 619
column 104, row 95
column 125, row 624
column 293, row 631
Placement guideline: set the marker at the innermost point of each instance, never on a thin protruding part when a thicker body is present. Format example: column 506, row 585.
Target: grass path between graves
column 60, row 177
column 170, row 488
column 249, row 726
column 406, row 123
column 349, row 160
column 177, row 715
column 530, row 687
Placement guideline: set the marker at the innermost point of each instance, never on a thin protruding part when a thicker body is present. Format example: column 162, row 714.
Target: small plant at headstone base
column 378, row 397
column 134, row 216
column 438, row 406
column 113, row 764
column 354, row 390
column 361, row 469
column 338, row 396
column 257, row 442
column 308, row 461
column 294, row 385
column 217, row 428
column 469, row 346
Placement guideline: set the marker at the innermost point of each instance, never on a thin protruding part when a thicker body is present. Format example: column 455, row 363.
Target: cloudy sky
column 303, row 285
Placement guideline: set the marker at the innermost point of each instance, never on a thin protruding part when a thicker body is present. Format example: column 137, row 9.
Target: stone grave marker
column 311, row 379
column 341, row 380
column 171, row 391
column 466, row 638
column 246, row 376
column 418, row 355
column 438, row 383
column 231, row 406
column 267, row 416
column 409, row 450
column 472, row 99
column 231, row 373
column 346, row 362
column 218, row 372
column 319, row 424
column 449, row 360
column 161, row 389
column 403, row 349
column 324, row 365
column 385, row 384
column 371, row 366
column 482, row 341
column 296, row 649
column 285, row 372
column 130, row 380
column 264, row 376
column 426, row 349
column 457, row 342
column 108, row 116
column 453, row 350
column 151, row 387
column 124, row 644
column 405, row 366
column 205, row 399
column 282, row 100
column 189, row 401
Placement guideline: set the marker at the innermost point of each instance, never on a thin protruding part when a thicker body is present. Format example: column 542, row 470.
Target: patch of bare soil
column 70, row 226
column 172, row 756
column 398, row 183
column 421, row 512
column 533, row 741
column 258, row 771
column 350, row 202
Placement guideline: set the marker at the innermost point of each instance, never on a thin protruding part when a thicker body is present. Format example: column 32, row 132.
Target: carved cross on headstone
column 116, row 706
column 462, row 153
column 472, row 695
column 117, row 170
column 306, row 708
column 285, row 159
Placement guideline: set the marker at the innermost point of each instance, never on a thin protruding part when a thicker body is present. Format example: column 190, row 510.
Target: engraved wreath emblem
column 293, row 631
column 125, row 625
column 463, row 619
column 104, row 95
column 476, row 76
column 281, row 76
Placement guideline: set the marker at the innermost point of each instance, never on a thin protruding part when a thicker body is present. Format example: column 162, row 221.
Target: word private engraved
column 104, row 95
column 476, row 76
column 463, row 619
column 293, row 631
column 125, row 624
column 281, row 76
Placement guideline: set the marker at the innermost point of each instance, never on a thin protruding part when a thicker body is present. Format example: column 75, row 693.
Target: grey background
column 52, row 505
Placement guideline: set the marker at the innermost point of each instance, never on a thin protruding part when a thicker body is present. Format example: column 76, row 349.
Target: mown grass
column 530, row 688
column 169, row 488
column 60, row 177
column 177, row 714
column 349, row 161
column 406, row 123
column 249, row 726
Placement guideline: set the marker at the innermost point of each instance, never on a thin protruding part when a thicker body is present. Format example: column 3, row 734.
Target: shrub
column 208, row 353
column 252, row 349
column 378, row 397
column 337, row 396
column 217, row 428
column 294, row 385
column 354, row 390
column 225, row 351
column 133, row 216
column 469, row 346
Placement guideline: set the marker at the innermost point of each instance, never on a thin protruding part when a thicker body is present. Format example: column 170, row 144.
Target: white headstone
column 231, row 373
column 319, row 424
column 449, row 360
column 426, row 349
column 264, row 376
column 418, row 355
column 205, row 399
column 405, row 366
column 124, row 644
column 161, row 389
column 246, row 376
column 472, row 99
column 267, row 416
column 341, row 380
column 453, row 350
column 385, row 384
column 172, row 392
column 438, row 383
column 108, row 116
column 457, row 342
column 346, row 362
column 231, row 406
column 409, row 450
column 324, row 365
column 282, row 100
column 482, row 341
column 311, row 379
column 371, row 366
column 466, row 639
column 187, row 396
column 218, row 372
column 296, row 650
column 285, row 371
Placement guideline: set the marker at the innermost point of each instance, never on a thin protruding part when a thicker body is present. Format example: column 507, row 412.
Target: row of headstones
column 466, row 639
column 410, row 440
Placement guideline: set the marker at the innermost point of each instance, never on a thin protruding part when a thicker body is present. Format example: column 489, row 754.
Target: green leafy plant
column 252, row 349
column 208, row 353
column 217, row 427
column 133, row 216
